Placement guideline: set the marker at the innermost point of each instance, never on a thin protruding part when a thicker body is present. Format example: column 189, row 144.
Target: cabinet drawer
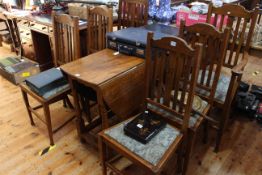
column 25, row 33
column 22, row 22
column 39, row 27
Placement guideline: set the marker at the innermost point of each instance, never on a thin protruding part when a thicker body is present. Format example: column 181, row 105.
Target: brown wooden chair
column 171, row 75
column 236, row 58
column 132, row 13
column 214, row 50
column 67, row 49
column 66, row 38
column 100, row 21
column 249, row 4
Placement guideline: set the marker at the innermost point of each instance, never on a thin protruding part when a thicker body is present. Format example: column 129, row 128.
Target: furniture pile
column 174, row 73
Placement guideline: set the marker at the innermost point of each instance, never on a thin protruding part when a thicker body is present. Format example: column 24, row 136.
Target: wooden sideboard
column 36, row 35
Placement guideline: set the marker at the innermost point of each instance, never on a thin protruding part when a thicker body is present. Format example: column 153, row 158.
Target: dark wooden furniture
column 214, row 51
column 44, row 103
column 171, row 75
column 249, row 4
column 117, row 80
column 66, row 38
column 236, row 58
column 100, row 21
column 132, row 13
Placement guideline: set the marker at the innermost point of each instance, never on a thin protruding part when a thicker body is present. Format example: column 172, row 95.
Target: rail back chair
column 249, row 4
column 236, row 57
column 100, row 21
column 66, row 38
column 132, row 13
column 214, row 50
column 171, row 75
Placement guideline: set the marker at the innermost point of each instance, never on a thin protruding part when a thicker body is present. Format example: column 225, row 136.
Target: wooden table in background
column 117, row 79
column 35, row 32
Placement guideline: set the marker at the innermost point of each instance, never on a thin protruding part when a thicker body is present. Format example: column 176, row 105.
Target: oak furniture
column 236, row 58
column 214, row 51
column 132, row 13
column 171, row 74
column 44, row 103
column 66, row 38
column 36, row 33
column 100, row 21
column 116, row 79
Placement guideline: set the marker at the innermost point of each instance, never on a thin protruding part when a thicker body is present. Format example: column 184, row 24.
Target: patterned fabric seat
column 222, row 88
column 154, row 150
column 199, row 105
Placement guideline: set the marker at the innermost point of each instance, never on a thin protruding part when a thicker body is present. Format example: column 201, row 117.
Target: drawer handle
column 21, row 31
column 23, row 43
column 43, row 28
column 24, row 22
column 32, row 24
column 30, row 45
column 51, row 30
column 27, row 33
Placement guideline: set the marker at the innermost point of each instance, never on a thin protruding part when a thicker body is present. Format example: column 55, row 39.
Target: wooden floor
column 20, row 142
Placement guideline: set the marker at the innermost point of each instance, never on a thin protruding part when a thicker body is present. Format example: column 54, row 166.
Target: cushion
column 198, row 105
column 154, row 150
column 222, row 88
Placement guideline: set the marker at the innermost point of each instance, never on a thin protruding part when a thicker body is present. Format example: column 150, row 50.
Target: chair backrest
column 132, row 13
column 100, row 21
column 214, row 51
column 249, row 4
column 66, row 38
column 238, row 20
column 171, row 75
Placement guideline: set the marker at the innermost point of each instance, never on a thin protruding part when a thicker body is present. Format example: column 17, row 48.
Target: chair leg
column 102, row 151
column 189, row 146
column 48, row 123
column 69, row 103
column 205, row 129
column 220, row 132
column 180, row 159
column 64, row 103
column 25, row 97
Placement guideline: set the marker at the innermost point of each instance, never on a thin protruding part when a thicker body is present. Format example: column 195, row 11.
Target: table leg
column 79, row 121
column 102, row 110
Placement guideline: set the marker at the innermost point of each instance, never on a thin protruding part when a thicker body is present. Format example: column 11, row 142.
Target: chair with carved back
column 214, row 50
column 66, row 49
column 100, row 21
column 171, row 75
column 238, row 18
column 66, row 38
column 132, row 13
column 249, row 4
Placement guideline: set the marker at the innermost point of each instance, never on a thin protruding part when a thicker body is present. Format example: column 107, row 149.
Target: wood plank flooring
column 20, row 142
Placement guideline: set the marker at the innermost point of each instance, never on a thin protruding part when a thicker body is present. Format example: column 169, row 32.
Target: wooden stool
column 45, row 102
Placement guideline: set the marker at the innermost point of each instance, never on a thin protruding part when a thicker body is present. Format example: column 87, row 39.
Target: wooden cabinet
column 30, row 32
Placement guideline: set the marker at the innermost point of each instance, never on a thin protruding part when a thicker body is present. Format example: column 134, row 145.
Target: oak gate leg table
column 118, row 81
